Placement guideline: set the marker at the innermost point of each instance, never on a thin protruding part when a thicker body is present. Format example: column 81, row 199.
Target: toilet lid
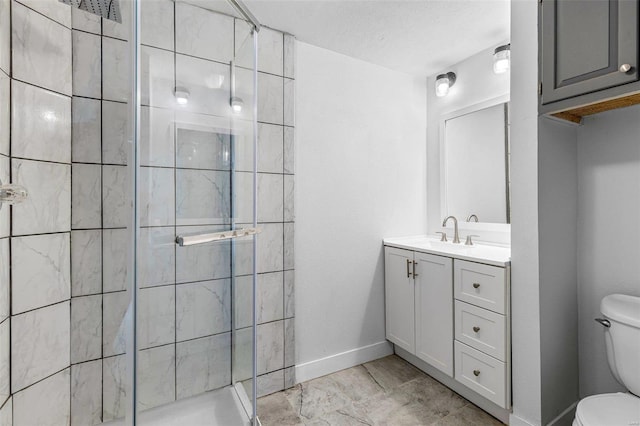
column 610, row 409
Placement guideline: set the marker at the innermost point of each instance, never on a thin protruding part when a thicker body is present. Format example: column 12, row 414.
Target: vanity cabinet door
column 399, row 297
column 584, row 43
column 434, row 311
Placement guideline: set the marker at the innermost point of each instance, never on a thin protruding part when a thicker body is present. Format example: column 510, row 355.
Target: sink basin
column 478, row 252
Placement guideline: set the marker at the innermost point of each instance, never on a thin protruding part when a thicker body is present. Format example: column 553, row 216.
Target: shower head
column 108, row 9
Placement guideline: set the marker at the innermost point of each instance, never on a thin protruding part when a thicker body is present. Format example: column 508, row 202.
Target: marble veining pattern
column 203, row 197
column 289, row 56
column 57, row 11
column 41, row 50
column 40, row 342
column 86, row 202
column 156, row 196
column 385, row 392
column 40, row 272
column 114, row 259
column 156, row 24
column 114, row 387
column 289, row 150
column 156, row 316
column 46, row 403
column 270, row 248
column 269, row 299
column 86, row 393
column 203, row 309
column 156, row 376
column 115, row 136
column 86, row 328
column 157, row 257
column 203, row 365
column 114, row 199
column 270, row 347
column 270, row 99
column 198, row 149
column 41, row 124
column 86, row 64
column 48, row 208
column 86, row 262
column 115, row 66
column 157, row 139
column 195, row 29
column 203, row 262
column 271, row 197
column 114, row 307
column 157, row 77
column 85, row 130
column 85, row 21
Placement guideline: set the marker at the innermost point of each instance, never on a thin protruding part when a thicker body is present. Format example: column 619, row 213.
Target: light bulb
column 444, row 82
column 182, row 95
column 502, row 59
column 237, row 104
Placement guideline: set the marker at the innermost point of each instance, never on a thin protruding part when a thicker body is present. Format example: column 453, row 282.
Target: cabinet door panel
column 434, row 311
column 584, row 42
column 399, row 297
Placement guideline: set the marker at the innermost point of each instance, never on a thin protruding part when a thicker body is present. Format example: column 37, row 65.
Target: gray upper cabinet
column 587, row 46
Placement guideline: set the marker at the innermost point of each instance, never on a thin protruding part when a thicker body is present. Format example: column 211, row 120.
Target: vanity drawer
column 480, row 285
column 481, row 329
column 481, row 373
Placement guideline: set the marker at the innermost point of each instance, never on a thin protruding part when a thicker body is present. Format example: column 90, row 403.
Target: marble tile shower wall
column 61, row 341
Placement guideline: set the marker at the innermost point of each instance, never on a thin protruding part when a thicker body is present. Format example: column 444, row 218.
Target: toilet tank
column 623, row 338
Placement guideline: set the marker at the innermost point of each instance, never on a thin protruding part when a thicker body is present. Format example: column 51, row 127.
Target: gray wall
column 608, row 231
column 557, row 211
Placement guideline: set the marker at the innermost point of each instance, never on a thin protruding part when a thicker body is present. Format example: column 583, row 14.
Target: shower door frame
column 131, row 320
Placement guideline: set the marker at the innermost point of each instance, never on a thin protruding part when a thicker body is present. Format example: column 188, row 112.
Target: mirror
column 475, row 163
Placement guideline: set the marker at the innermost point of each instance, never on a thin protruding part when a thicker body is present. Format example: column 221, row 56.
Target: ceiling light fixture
column 182, row 95
column 237, row 104
column 444, row 82
column 502, row 59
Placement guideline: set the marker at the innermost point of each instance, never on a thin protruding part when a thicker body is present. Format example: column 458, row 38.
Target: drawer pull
column 476, row 373
column 415, row 274
column 408, row 273
column 476, row 285
column 476, row 329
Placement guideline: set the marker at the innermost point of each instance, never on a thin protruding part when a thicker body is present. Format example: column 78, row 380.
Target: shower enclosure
column 143, row 280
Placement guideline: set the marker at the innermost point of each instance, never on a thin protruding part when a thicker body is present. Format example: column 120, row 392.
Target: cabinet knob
column 476, row 329
column 476, row 285
column 476, row 373
column 625, row 68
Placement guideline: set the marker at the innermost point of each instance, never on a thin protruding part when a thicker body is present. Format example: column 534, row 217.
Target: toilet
column 622, row 339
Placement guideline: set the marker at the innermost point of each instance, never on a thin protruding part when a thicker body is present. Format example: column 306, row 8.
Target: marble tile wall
column 35, row 242
column 68, row 146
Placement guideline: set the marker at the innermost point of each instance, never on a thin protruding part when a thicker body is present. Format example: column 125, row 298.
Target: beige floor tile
column 275, row 410
column 392, row 371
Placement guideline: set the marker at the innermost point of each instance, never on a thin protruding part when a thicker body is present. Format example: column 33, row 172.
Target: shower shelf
column 190, row 240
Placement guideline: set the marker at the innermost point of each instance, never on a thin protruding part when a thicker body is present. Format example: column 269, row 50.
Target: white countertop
column 479, row 252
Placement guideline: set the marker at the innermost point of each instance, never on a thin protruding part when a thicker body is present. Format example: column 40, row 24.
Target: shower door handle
column 191, row 240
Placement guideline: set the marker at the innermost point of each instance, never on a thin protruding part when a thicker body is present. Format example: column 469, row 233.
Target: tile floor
column 385, row 392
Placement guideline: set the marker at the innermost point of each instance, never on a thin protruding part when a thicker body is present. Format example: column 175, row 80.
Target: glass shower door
column 195, row 251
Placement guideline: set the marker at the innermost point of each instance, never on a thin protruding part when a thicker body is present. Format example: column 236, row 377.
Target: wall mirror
column 474, row 149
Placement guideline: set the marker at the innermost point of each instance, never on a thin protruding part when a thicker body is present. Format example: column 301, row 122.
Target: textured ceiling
column 418, row 37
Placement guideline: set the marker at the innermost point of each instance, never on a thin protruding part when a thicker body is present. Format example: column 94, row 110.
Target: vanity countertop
column 480, row 252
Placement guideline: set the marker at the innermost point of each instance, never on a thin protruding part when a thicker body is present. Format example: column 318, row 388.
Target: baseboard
column 331, row 364
column 519, row 421
column 566, row 417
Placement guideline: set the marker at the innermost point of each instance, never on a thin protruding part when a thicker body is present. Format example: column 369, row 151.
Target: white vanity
column 447, row 311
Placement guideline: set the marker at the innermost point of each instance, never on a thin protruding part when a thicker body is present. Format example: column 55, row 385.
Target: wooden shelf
column 575, row 115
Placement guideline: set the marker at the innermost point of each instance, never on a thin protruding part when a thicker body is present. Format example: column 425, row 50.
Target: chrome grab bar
column 190, row 240
column 604, row 322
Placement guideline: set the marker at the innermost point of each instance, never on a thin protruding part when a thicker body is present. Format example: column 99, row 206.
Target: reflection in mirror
column 475, row 151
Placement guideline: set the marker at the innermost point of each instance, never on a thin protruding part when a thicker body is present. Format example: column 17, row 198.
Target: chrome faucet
column 456, row 237
column 474, row 217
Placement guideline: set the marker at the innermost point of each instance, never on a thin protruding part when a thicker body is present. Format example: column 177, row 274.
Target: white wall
column 360, row 176
column 525, row 318
column 475, row 83
column 608, row 230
